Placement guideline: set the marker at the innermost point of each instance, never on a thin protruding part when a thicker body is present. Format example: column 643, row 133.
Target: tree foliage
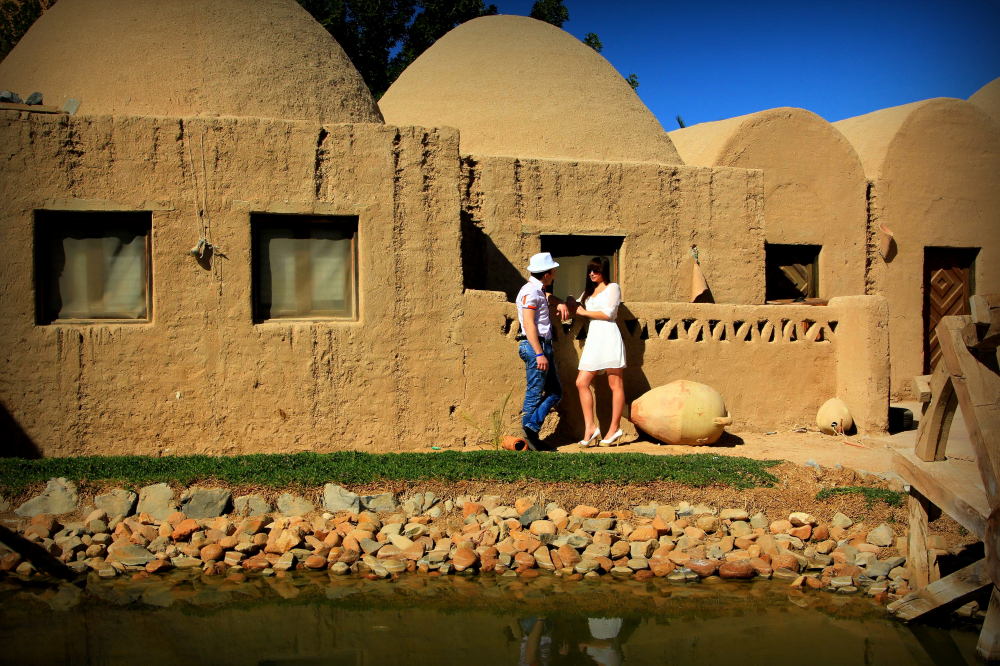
column 593, row 41
column 633, row 81
column 382, row 37
column 15, row 19
column 550, row 11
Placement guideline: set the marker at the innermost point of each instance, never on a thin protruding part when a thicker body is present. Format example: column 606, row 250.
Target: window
column 304, row 267
column 573, row 253
column 92, row 266
column 791, row 271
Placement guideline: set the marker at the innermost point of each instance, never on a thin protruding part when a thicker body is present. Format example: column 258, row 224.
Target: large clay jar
column 682, row 412
column 834, row 417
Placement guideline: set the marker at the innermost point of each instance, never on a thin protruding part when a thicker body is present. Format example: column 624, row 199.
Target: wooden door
column 947, row 288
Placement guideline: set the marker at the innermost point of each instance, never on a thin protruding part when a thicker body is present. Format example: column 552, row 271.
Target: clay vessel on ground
column 834, row 417
column 511, row 443
column 682, row 412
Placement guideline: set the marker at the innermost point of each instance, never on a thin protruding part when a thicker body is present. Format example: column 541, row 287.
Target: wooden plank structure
column 968, row 375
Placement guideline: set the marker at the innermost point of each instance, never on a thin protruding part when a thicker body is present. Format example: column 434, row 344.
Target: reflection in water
column 312, row 619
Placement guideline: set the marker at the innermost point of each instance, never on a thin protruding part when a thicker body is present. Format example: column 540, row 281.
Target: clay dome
column 987, row 98
column 515, row 86
column 814, row 184
column 262, row 58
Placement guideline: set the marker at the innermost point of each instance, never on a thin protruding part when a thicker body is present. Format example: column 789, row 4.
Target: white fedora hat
column 541, row 262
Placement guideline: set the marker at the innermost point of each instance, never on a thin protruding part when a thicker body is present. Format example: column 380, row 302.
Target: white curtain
column 303, row 277
column 103, row 278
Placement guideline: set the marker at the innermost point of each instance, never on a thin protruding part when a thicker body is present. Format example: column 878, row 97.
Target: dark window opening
column 791, row 272
column 304, row 267
column 572, row 253
column 92, row 266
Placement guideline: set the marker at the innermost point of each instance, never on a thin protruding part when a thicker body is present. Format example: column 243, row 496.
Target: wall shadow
column 484, row 265
column 14, row 441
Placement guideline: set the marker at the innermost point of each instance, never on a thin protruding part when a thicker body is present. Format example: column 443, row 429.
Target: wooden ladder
column 967, row 375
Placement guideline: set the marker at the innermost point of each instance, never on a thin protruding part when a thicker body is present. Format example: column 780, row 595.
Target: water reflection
column 311, row 619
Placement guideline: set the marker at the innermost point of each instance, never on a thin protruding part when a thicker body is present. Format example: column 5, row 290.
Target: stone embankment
column 377, row 537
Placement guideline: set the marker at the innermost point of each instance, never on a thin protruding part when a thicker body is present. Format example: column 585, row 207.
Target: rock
column 803, row 533
column 464, row 558
column 472, row 509
column 58, row 497
column 291, row 506
column 598, row 524
column 251, row 505
column 532, row 514
column 708, row 524
column 643, row 534
column 212, row 552
column 841, row 521
column 780, row 526
column 157, row 500
column 569, row 556
column 336, row 498
column 740, row 570
column 132, row 555
column 881, row 536
column 315, row 562
column 704, row 568
column 287, row 540
column 785, row 561
column 540, row 527
column 8, row 97
column 340, row 568
column 586, row 566
column 205, row 502
column 734, row 514
column 647, row 511
column 118, row 502
column 4, row 505
column 799, row 519
column 585, row 511
column 185, row 529
column 758, row 521
column 414, row 505
column 384, row 503
column 285, row 562
column 762, row 567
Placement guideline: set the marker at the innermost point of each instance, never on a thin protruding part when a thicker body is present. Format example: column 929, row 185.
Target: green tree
column 591, row 39
column 633, row 81
column 680, row 121
column 382, row 37
column 550, row 11
column 15, row 19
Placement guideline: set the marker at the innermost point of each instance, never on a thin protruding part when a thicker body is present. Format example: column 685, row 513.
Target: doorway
column 948, row 285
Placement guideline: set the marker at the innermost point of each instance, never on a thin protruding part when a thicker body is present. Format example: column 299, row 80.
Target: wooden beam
column 956, row 588
column 34, row 108
column 983, row 332
column 935, row 424
column 922, row 388
column 989, row 637
column 956, row 492
column 978, row 389
column 916, row 541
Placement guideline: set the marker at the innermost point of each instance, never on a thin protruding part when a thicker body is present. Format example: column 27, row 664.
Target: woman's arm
column 593, row 314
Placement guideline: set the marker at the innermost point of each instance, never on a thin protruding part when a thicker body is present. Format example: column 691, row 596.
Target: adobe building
column 814, row 196
column 221, row 247
column 934, row 219
column 987, row 98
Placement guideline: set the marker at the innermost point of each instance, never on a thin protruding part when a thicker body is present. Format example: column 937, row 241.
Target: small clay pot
column 512, row 443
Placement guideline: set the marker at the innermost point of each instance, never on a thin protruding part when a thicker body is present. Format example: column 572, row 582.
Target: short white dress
column 604, row 348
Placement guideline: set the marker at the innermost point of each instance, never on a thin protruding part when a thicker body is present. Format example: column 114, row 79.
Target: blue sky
column 712, row 60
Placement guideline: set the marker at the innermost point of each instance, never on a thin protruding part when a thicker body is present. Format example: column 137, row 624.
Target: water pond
column 312, row 619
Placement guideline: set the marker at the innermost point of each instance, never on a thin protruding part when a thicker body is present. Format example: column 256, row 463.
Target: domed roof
column 987, row 98
column 263, row 58
column 519, row 87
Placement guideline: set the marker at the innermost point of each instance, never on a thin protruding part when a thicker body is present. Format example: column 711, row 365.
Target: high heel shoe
column 590, row 443
column 611, row 441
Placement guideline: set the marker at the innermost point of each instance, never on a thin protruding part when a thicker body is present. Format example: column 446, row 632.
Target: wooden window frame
column 53, row 224
column 300, row 224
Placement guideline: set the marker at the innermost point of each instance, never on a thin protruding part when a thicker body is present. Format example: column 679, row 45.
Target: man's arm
column 560, row 307
column 531, row 332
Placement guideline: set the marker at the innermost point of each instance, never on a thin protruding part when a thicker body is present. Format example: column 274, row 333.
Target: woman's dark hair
column 601, row 264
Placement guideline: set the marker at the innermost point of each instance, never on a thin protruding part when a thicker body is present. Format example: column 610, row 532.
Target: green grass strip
column 352, row 467
column 871, row 495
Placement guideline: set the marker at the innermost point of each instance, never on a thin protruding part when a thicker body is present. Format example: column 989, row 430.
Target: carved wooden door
column 947, row 288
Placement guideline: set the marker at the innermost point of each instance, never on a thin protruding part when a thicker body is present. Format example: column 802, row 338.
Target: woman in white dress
column 604, row 350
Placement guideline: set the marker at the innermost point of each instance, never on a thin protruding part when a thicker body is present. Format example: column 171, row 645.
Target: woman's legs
column 583, row 381
column 617, row 386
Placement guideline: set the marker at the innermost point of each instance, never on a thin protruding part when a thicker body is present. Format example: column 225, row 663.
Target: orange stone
column 585, row 511
column 185, row 529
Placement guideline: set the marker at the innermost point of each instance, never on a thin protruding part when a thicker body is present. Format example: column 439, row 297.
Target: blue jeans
column 543, row 391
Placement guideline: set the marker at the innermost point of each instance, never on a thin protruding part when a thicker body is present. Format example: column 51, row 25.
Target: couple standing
column 603, row 351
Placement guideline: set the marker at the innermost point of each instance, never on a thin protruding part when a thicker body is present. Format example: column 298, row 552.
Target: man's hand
column 542, row 362
column 563, row 311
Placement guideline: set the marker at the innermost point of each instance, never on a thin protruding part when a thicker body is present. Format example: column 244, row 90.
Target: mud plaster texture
column 773, row 364
column 814, row 185
column 934, row 166
column 189, row 57
column 987, row 98
column 516, row 86
column 201, row 376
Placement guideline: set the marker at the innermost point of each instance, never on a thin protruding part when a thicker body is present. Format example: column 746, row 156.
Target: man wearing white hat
column 543, row 390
